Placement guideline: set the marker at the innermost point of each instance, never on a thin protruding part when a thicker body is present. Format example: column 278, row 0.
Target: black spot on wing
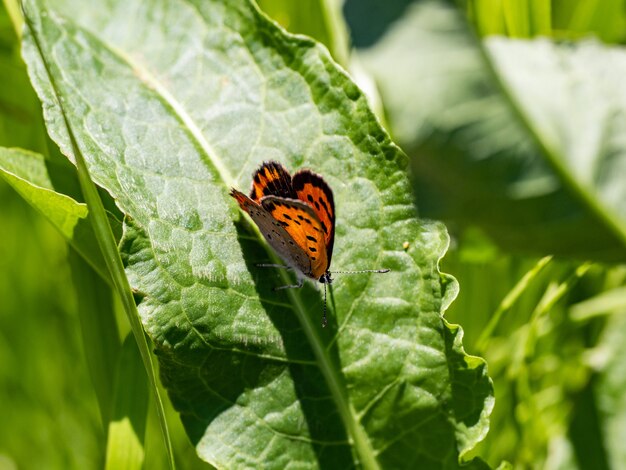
column 323, row 203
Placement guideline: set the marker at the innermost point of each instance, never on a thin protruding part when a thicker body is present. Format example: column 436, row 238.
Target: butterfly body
column 296, row 216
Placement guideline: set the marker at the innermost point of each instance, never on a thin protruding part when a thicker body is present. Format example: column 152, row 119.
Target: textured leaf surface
column 537, row 163
column 171, row 103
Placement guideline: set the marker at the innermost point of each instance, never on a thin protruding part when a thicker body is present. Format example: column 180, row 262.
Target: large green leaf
column 171, row 103
column 524, row 138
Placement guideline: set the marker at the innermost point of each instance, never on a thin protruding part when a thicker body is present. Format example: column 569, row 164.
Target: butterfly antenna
column 379, row 271
column 324, row 320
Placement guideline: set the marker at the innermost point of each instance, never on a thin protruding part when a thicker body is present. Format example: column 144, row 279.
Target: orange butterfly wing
column 304, row 208
column 314, row 191
column 304, row 227
column 271, row 179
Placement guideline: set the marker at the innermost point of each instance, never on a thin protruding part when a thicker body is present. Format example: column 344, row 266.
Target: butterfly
column 296, row 215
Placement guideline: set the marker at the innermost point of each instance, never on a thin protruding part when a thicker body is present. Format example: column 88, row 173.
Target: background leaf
column 21, row 124
column 476, row 162
column 127, row 428
column 27, row 173
column 577, row 115
column 44, row 380
column 319, row 19
column 610, row 358
column 167, row 119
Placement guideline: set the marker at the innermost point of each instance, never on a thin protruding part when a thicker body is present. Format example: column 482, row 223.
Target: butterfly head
column 325, row 278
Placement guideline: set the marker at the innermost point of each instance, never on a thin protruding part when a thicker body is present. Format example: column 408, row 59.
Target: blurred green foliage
column 556, row 355
column 49, row 412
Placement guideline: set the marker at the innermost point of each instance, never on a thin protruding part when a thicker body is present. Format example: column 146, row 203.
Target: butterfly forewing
column 271, row 179
column 312, row 189
column 302, row 224
column 275, row 234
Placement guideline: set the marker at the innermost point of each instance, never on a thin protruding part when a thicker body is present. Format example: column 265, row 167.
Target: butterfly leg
column 291, row 286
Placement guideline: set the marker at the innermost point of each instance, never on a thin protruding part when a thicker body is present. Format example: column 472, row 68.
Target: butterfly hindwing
column 302, row 224
column 312, row 189
column 275, row 234
column 271, row 179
